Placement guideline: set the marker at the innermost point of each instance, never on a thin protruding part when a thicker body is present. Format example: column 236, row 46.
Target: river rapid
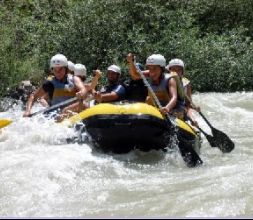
column 41, row 175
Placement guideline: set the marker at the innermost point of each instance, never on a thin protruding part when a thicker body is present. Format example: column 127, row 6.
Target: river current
column 41, row 175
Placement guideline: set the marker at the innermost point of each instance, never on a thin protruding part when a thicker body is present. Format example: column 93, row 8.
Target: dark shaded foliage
column 213, row 37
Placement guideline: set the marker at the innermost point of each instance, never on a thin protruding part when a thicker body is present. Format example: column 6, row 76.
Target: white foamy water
column 41, row 175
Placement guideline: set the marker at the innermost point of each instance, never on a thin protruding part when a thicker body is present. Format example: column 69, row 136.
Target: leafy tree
column 212, row 37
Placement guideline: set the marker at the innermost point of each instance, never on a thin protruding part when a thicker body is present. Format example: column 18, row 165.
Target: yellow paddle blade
column 4, row 122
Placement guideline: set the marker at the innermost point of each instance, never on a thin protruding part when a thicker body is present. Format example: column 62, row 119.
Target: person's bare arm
column 32, row 98
column 82, row 91
column 172, row 86
column 132, row 68
column 91, row 86
column 108, row 97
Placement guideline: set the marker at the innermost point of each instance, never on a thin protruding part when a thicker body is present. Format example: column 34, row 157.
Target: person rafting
column 80, row 71
column 177, row 66
column 44, row 101
column 114, row 91
column 60, row 87
column 165, row 87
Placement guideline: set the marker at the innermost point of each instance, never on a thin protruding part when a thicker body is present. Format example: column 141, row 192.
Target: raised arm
column 132, row 68
column 94, row 81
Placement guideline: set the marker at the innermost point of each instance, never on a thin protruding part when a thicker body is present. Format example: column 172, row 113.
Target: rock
column 22, row 91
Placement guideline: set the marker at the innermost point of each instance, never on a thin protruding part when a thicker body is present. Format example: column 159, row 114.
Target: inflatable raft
column 4, row 122
column 122, row 127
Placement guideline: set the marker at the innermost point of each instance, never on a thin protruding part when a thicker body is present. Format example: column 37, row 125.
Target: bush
column 212, row 37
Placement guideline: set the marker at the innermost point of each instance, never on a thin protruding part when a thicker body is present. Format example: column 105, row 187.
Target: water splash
column 44, row 176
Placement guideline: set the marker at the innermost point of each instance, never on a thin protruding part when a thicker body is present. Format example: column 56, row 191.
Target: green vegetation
column 213, row 37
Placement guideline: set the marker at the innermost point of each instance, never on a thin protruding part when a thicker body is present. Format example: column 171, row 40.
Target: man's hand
column 130, row 58
column 195, row 123
column 97, row 73
column 26, row 114
column 97, row 96
column 197, row 108
column 81, row 94
column 165, row 110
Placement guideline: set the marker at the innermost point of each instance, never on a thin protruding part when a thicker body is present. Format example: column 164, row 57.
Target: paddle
column 92, row 86
column 4, row 122
column 219, row 138
column 54, row 107
column 189, row 155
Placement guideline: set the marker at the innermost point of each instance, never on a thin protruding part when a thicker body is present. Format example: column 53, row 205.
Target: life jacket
column 62, row 90
column 162, row 93
column 185, row 82
column 181, row 85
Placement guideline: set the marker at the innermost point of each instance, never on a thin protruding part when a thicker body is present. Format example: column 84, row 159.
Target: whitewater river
column 41, row 175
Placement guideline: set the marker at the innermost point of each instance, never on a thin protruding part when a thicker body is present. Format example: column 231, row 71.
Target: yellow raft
column 122, row 127
column 4, row 122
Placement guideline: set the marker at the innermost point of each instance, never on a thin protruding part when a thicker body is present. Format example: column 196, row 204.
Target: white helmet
column 115, row 69
column 71, row 66
column 58, row 60
column 80, row 70
column 175, row 62
column 156, row 59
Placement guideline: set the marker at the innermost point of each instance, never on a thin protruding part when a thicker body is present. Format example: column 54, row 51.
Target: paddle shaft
column 71, row 100
column 157, row 102
column 54, row 107
column 201, row 114
column 219, row 138
column 198, row 127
